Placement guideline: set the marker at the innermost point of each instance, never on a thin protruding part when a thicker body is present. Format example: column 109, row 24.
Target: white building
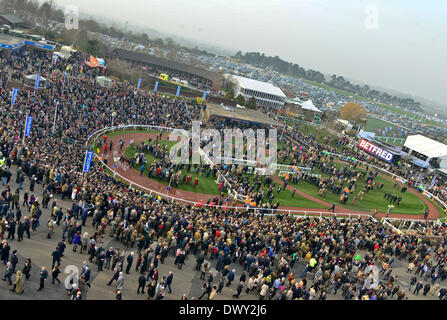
column 425, row 152
column 266, row 94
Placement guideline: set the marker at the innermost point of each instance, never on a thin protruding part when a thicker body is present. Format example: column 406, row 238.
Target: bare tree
column 8, row 5
column 44, row 14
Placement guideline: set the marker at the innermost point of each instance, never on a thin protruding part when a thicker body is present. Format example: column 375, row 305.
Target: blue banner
column 156, row 86
column 37, row 82
column 29, row 121
column 204, row 95
column 39, row 45
column 139, row 83
column 88, row 161
column 14, row 95
column 433, row 182
column 178, row 91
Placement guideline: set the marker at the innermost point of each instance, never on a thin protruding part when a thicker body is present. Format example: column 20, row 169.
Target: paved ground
column 186, row 280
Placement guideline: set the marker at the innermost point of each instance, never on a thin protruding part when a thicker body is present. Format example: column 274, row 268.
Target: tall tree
column 251, row 104
column 353, row 111
column 240, row 99
column 44, row 14
column 229, row 95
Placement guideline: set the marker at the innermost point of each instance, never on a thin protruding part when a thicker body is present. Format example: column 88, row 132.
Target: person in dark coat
column 152, row 287
column 27, row 268
column 239, row 290
column 206, row 290
column 14, row 260
column 20, row 231
column 200, row 258
column 220, row 262
column 4, row 252
column 11, row 229
column 220, row 285
column 86, row 275
column 141, row 283
column 43, row 277
column 169, row 279
column 243, row 277
column 27, row 226
column 129, row 262
column 55, row 274
column 230, row 277
column 419, row 286
column 56, row 257
column 181, row 259
column 116, row 274
column 61, row 247
column 426, row 289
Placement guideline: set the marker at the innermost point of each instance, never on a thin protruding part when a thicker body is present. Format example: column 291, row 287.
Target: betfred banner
column 375, row 150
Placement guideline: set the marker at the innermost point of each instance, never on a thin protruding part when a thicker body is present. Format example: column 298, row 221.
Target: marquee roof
column 426, row 146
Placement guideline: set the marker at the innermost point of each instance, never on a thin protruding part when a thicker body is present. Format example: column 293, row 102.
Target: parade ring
column 131, row 177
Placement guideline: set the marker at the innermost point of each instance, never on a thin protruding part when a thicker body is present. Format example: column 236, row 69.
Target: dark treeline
column 293, row 69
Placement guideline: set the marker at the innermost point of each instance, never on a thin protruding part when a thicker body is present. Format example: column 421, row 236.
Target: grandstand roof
column 259, row 86
column 150, row 59
column 241, row 114
column 426, row 146
column 11, row 18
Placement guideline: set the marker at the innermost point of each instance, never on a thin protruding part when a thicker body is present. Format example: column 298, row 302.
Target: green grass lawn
column 205, row 185
column 285, row 197
column 123, row 132
column 392, row 137
column 127, row 131
column 411, row 204
column 210, row 186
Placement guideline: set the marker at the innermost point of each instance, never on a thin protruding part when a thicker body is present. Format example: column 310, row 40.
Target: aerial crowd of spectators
column 338, row 255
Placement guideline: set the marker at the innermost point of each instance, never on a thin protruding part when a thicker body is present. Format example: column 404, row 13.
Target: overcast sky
column 406, row 52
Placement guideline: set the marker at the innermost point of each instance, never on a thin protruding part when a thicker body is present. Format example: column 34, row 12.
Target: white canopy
column 426, row 146
column 104, row 81
column 34, row 76
column 259, row 86
column 308, row 105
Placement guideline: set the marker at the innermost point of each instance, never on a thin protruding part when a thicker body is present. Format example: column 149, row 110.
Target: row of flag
column 400, row 132
column 178, row 89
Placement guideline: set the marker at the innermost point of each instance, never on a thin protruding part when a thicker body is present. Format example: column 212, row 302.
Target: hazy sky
column 407, row 52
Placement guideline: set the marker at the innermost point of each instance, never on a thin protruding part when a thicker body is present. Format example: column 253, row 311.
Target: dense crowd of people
column 338, row 255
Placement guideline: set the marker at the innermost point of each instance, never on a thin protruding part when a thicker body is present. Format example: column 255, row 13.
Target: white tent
column 426, row 146
column 308, row 105
column 30, row 81
column 104, row 81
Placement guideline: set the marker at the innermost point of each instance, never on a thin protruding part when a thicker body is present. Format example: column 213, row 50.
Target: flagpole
column 55, row 114
column 24, row 132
